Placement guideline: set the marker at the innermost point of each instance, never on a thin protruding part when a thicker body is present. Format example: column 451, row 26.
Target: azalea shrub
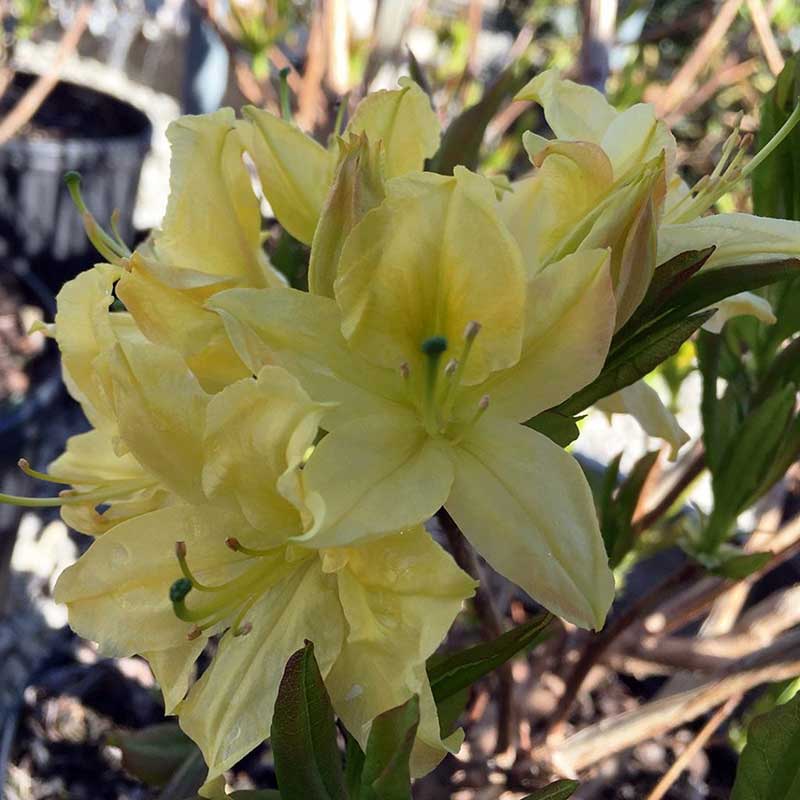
column 276, row 439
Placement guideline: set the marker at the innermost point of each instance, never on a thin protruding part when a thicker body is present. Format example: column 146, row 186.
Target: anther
column 472, row 330
column 194, row 633
column 450, row 367
column 180, row 549
column 405, row 371
column 243, row 630
column 483, row 403
column 232, row 543
column 434, row 346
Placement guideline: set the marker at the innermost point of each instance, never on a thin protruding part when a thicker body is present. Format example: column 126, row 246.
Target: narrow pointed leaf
column 560, row 790
column 153, row 754
column 307, row 759
column 456, row 672
column 386, row 774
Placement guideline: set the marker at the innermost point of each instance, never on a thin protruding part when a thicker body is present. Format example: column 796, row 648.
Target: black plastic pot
column 76, row 128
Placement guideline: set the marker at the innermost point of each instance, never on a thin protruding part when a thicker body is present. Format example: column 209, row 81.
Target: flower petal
column 294, row 170
column 371, row 476
column 174, row 316
column 431, row 258
column 738, row 238
column 357, row 188
column 229, row 710
column 174, row 670
column 257, row 431
column 738, row 305
column 404, row 121
column 117, row 593
column 568, row 328
column 644, row 405
column 572, row 111
column 212, row 222
column 83, row 331
column 526, row 507
column 399, row 595
column 160, row 409
column 302, row 332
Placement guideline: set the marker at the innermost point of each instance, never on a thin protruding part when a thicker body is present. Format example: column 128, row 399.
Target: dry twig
column 772, row 52
column 37, row 93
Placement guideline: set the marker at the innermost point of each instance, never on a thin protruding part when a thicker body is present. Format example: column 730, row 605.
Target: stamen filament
column 433, row 348
column 25, row 466
column 470, row 332
column 71, row 497
column 180, row 552
column 234, row 544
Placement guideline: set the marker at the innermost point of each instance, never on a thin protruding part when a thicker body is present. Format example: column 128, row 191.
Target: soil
column 18, row 348
column 74, row 112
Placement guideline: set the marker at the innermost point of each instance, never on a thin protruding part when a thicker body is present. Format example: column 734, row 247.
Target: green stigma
column 179, row 590
column 434, row 346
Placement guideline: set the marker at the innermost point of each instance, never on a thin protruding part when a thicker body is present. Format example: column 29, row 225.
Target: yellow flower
column 210, row 240
column 163, row 583
column 296, row 172
column 437, row 345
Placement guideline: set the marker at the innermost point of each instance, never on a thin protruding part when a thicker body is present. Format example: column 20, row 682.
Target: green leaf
column 560, row 790
column 635, row 359
column 461, row 142
column 729, row 561
column 776, row 182
column 307, row 759
column 769, row 768
column 386, row 773
column 153, row 754
column 617, row 521
column 747, row 459
column 418, row 75
column 450, row 709
column 667, row 279
column 458, row 671
column 560, row 428
column 713, row 285
column 353, row 765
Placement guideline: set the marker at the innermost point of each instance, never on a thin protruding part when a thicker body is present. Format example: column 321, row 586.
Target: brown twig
column 37, row 93
column 600, row 643
column 684, row 78
column 694, row 747
column 777, row 662
column 599, row 31
column 492, row 624
column 772, row 52
column 695, row 464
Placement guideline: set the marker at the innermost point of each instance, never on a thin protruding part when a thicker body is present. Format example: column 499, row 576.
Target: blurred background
column 91, row 86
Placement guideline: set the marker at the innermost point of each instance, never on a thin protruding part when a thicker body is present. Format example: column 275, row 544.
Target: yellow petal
column 644, row 405
column 357, row 188
column 302, row 332
column 404, row 121
column 400, row 596
column 572, row 179
column 431, row 258
column 117, row 594
column 568, row 328
column 257, row 431
column 212, row 222
column 374, row 475
column 229, row 710
column 572, row 111
column 83, row 331
column 85, row 517
column 294, row 170
column 738, row 238
column 737, row 305
column 174, row 670
column 634, row 137
column 173, row 315
column 160, row 409
column 526, row 507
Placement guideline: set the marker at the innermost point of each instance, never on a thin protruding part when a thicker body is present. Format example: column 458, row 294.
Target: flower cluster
column 262, row 460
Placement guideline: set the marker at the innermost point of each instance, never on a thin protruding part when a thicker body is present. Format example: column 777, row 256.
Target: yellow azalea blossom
column 374, row 611
column 209, row 240
column 585, row 122
column 436, row 346
column 97, row 465
column 296, row 171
